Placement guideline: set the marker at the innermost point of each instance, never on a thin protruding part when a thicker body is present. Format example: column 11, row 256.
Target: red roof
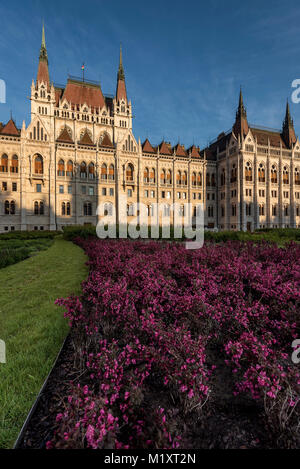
column 43, row 73
column 121, row 90
column 179, row 150
column 194, row 151
column 147, row 147
column 165, row 148
column 263, row 136
column 10, row 129
column 64, row 136
column 84, row 93
column 86, row 139
column 106, row 142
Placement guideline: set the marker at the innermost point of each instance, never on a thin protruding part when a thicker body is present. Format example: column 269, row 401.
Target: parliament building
column 79, row 150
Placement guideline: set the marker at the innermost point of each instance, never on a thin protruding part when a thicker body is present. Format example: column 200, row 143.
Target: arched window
column 208, row 179
column 14, row 164
column 41, row 208
column 70, row 168
column 129, row 172
column 194, row 179
column 111, row 172
column 274, row 174
column 6, row 207
column 285, row 175
column 248, row 171
column 68, row 208
column 83, row 170
column 38, row 165
column 169, row 177
column 163, row 176
column 261, row 209
column 184, row 178
column 152, row 175
column 223, row 178
column 297, row 177
column 61, row 168
column 261, row 173
column 199, row 179
column 12, row 207
column 146, row 175
column 36, row 208
column 63, row 208
column 4, row 164
column 178, row 178
column 213, row 180
column 91, row 171
column 104, row 172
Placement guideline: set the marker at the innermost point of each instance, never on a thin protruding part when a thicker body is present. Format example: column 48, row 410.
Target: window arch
column 63, row 208
column 111, row 172
column 199, row 179
column 70, row 168
column 169, row 176
column 14, row 164
column 184, row 178
column 104, row 171
column 248, row 171
column 61, row 168
column 163, row 176
column 223, row 177
column 178, row 178
column 146, row 175
column 261, row 209
column 261, row 173
column 297, row 176
column 285, row 175
column 129, row 172
column 4, row 164
column 91, row 171
column 68, row 208
column 194, row 179
column 274, row 174
column 83, row 173
column 6, row 207
column 38, row 208
column 38, row 165
column 152, row 175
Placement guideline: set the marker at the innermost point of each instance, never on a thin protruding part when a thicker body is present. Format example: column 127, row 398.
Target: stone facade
column 79, row 151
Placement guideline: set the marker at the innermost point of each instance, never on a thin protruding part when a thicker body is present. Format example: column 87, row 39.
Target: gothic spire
column 121, row 87
column 288, row 130
column 240, row 126
column 43, row 72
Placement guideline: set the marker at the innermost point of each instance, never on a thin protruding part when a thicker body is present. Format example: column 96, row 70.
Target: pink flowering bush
column 144, row 326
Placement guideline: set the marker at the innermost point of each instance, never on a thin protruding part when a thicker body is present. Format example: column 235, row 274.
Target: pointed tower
column 288, row 131
column 43, row 72
column 240, row 126
column 121, row 86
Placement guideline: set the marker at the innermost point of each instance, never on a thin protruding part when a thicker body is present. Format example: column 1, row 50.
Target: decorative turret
column 240, row 126
column 288, row 131
column 43, row 72
column 121, row 87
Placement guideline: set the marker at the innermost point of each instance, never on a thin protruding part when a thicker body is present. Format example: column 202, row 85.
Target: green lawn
column 32, row 327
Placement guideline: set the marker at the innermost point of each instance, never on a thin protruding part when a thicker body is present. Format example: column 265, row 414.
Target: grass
column 32, row 327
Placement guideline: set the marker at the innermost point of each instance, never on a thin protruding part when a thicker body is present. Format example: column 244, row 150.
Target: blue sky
column 184, row 60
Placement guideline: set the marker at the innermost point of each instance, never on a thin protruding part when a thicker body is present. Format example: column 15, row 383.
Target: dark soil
column 227, row 423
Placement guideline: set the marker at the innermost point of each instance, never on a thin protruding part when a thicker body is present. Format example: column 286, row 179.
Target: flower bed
column 151, row 318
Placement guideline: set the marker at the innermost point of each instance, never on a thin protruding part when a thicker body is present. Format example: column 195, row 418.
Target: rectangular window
column 91, row 190
column 111, row 191
column 168, row 194
column 61, row 189
column 163, row 194
column 103, row 190
column 4, row 186
column 14, row 187
column 83, row 189
column 194, row 195
column 39, row 187
column 146, row 193
column 184, row 195
column 69, row 189
column 152, row 194
column 129, row 192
